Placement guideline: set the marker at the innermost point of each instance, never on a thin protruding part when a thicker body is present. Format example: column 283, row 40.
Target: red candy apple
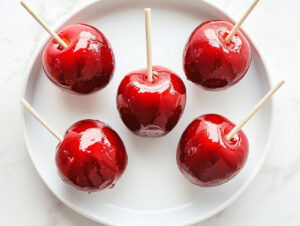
column 205, row 156
column 91, row 156
column 151, row 109
column 211, row 62
column 85, row 66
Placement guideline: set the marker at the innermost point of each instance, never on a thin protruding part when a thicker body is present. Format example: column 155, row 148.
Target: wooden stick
column 148, row 42
column 41, row 120
column 44, row 25
column 253, row 111
column 241, row 21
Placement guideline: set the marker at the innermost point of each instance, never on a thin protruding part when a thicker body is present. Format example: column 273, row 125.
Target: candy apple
column 85, row 66
column 211, row 62
column 151, row 108
column 91, row 156
column 204, row 155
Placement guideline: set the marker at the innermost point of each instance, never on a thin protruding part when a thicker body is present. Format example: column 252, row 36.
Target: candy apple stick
column 148, row 42
column 253, row 111
column 44, row 25
column 41, row 120
column 241, row 21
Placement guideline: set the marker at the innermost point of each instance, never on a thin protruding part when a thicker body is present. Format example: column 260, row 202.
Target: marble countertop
column 273, row 197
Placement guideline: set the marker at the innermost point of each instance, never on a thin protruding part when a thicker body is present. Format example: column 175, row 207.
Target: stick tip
column 280, row 83
column 147, row 9
column 24, row 102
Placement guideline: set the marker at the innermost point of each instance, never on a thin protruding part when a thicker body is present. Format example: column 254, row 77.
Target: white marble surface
column 273, row 199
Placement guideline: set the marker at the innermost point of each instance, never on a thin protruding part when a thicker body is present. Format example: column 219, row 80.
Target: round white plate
column 152, row 191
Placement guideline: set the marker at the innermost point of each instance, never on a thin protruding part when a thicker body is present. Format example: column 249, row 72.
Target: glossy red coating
column 204, row 155
column 212, row 63
column 91, row 156
column 85, row 66
column 151, row 109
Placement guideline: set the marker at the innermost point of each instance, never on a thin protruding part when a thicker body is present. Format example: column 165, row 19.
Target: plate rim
column 254, row 45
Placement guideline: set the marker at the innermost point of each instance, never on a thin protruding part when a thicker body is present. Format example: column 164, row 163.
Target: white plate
column 152, row 191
